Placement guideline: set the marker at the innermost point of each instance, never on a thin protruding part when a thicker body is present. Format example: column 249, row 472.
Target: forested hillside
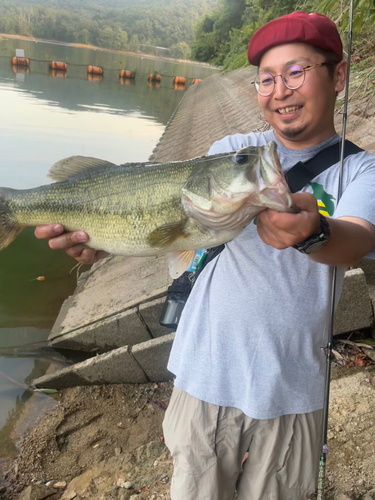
column 223, row 34
column 115, row 24
column 214, row 31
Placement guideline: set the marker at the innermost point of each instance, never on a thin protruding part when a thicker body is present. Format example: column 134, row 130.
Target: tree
column 106, row 37
column 134, row 44
column 107, row 23
column 180, row 50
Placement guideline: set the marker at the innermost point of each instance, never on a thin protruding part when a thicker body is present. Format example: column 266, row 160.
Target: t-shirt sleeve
column 358, row 198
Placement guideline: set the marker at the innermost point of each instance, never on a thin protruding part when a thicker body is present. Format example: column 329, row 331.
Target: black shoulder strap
column 302, row 173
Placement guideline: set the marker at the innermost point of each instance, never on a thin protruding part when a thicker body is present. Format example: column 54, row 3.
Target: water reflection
column 47, row 116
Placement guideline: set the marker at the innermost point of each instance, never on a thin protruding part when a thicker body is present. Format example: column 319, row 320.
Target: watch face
column 315, row 247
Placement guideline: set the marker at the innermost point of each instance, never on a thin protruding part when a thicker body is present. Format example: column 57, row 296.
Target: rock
column 369, row 353
column 354, row 310
column 341, row 496
column 128, row 485
column 121, row 482
column 118, row 451
column 37, row 492
column 61, row 485
column 123, row 495
column 134, row 497
column 370, row 495
column 70, row 496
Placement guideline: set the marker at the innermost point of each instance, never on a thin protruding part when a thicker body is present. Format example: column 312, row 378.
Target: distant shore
column 94, row 47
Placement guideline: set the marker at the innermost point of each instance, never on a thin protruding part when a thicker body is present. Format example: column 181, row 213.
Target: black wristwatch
column 317, row 241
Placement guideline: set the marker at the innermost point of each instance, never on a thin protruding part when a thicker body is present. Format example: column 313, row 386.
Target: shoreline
column 94, row 47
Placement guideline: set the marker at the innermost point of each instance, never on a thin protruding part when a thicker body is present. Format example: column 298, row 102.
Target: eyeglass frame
column 305, row 68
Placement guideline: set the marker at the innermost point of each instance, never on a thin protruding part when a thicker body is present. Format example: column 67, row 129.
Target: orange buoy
column 125, row 73
column 95, row 70
column 197, row 80
column 62, row 66
column 58, row 74
column 179, row 86
column 20, row 61
column 179, row 79
column 154, row 84
column 154, row 77
column 20, row 69
column 94, row 78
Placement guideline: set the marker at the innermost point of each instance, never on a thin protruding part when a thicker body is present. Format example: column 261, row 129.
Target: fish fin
column 199, row 188
column 164, row 235
column 180, row 261
column 69, row 167
column 8, row 229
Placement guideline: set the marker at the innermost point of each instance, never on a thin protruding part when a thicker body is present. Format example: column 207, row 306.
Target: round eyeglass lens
column 264, row 84
column 292, row 77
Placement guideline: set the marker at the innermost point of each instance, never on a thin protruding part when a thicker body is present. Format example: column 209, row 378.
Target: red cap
column 300, row 26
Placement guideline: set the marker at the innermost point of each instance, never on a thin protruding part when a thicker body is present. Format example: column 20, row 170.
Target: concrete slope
column 114, row 304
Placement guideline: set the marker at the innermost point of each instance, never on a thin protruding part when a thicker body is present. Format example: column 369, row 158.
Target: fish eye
column 240, row 159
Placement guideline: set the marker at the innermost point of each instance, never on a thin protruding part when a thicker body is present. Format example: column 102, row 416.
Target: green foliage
column 114, row 24
column 364, row 13
column 363, row 25
column 134, row 44
column 180, row 50
column 223, row 36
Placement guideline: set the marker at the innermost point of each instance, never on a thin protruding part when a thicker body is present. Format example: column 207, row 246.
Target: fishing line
column 324, row 451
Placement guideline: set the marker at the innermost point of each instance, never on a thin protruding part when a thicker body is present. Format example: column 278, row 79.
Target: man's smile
column 288, row 110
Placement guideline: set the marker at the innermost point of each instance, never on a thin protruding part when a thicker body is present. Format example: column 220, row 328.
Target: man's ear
column 339, row 76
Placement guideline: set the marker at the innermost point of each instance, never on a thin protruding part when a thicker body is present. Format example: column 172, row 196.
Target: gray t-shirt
column 252, row 331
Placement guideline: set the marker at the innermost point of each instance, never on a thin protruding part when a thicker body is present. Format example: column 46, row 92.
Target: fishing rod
column 324, row 451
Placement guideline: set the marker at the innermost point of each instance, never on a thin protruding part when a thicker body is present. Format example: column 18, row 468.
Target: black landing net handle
column 324, row 451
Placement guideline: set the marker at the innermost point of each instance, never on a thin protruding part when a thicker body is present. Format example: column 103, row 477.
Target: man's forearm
column 348, row 243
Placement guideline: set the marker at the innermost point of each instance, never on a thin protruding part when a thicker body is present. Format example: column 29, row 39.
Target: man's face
column 304, row 115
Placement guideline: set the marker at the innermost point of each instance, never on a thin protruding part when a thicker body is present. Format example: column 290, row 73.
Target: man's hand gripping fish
column 141, row 209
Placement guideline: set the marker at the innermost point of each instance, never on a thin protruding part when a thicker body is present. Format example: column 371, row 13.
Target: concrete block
column 354, row 310
column 153, row 357
column 115, row 367
column 111, row 287
column 121, row 329
column 368, row 267
column 150, row 313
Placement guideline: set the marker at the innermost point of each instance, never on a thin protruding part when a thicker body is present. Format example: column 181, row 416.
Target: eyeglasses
column 292, row 77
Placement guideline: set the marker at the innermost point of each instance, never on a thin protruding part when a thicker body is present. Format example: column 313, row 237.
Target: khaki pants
column 208, row 442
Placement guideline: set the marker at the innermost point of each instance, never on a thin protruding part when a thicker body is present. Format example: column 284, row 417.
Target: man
column 247, row 354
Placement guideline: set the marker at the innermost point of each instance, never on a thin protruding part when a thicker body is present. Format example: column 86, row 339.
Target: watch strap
column 321, row 237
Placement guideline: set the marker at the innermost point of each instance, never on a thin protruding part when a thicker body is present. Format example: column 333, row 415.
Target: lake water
column 46, row 117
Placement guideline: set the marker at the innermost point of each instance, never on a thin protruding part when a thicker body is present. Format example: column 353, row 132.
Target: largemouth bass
column 149, row 208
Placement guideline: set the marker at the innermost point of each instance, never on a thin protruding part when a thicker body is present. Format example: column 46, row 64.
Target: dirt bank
column 105, row 442
column 95, row 439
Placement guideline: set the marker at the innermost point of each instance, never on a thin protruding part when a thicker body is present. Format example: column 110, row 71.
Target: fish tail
column 9, row 229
